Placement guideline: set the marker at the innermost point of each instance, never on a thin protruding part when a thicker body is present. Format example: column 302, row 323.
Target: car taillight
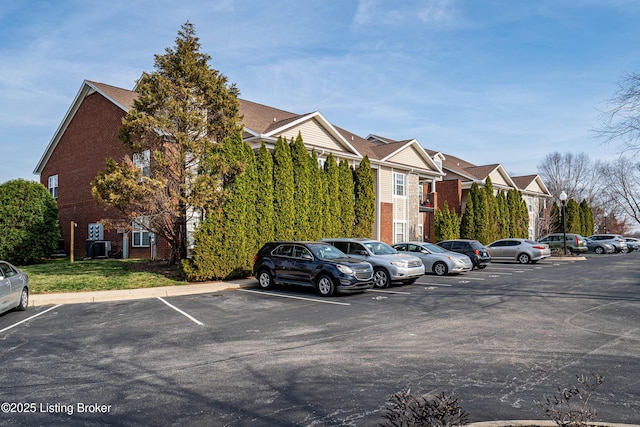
column 255, row 259
column 477, row 252
column 539, row 247
column 577, row 240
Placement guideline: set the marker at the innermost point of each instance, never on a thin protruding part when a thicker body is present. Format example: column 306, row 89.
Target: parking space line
column 436, row 284
column 188, row 316
column 293, row 297
column 389, row 292
column 29, row 318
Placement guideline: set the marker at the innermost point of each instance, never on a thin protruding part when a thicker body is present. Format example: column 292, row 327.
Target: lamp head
column 563, row 196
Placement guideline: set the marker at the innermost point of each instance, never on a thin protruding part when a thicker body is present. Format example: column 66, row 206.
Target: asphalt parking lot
column 498, row 339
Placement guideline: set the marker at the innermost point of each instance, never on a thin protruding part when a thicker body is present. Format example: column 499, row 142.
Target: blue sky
column 490, row 81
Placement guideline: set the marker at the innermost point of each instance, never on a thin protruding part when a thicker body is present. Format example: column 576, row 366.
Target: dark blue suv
column 316, row 264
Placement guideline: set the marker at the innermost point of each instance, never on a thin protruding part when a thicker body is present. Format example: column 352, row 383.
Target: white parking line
column 29, row 318
column 436, row 284
column 389, row 292
column 188, row 316
column 293, row 297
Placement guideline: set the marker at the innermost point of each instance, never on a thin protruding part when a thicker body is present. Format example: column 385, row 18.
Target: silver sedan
column 14, row 288
column 436, row 259
column 522, row 250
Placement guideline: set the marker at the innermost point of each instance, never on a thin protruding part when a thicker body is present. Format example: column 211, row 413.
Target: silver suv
column 388, row 265
column 616, row 240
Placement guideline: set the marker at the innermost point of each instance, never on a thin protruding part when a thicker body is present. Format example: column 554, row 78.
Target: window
column 399, row 184
column 140, row 233
column 530, row 204
column 399, row 231
column 142, row 161
column 53, row 186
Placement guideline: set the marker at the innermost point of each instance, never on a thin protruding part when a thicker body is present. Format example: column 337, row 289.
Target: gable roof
column 265, row 122
column 121, row 97
column 531, row 184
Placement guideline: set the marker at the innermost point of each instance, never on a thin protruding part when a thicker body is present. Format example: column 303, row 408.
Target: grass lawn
column 99, row 275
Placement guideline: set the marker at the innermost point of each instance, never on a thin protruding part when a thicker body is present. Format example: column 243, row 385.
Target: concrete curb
column 133, row 294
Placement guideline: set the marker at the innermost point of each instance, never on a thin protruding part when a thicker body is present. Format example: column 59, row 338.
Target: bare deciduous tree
column 571, row 173
column 623, row 189
column 621, row 123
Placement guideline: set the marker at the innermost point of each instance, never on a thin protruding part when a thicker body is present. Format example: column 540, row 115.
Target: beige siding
column 411, row 157
column 386, row 185
column 315, row 136
column 498, row 179
column 535, row 188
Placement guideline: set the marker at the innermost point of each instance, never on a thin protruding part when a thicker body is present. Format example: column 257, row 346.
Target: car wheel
column 24, row 300
column 599, row 250
column 524, row 259
column 381, row 278
column 325, row 286
column 440, row 269
column 265, row 279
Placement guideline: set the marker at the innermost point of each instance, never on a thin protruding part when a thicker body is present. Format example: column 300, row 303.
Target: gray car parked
column 616, row 240
column 436, row 259
column 522, row 250
column 388, row 265
column 14, row 288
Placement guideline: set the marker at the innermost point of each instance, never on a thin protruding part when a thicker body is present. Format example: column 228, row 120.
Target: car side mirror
column 424, row 251
column 362, row 252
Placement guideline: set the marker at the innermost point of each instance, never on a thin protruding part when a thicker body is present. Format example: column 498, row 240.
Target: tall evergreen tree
column 481, row 214
column 504, row 217
column 284, row 191
column 183, row 110
column 491, row 231
column 574, row 224
column 446, row 223
column 226, row 237
column 319, row 196
column 468, row 222
column 333, row 197
column 365, row 200
column 264, row 196
column 586, row 219
column 347, row 189
column 555, row 218
column 302, row 186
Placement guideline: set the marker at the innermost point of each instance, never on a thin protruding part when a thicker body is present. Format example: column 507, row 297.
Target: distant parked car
column 316, row 264
column 575, row 242
column 388, row 265
column 436, row 259
column 14, row 288
column 599, row 247
column 616, row 240
column 522, row 250
column 475, row 250
column 633, row 244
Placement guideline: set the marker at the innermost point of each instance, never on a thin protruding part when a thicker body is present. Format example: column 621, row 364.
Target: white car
column 436, row 259
column 14, row 288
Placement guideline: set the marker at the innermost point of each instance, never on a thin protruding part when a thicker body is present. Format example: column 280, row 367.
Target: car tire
column 265, row 279
column 381, row 278
column 482, row 267
column 599, row 250
column 524, row 259
column 24, row 300
column 325, row 286
column 440, row 269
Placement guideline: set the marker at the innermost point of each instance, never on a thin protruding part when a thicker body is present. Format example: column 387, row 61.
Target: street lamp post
column 606, row 214
column 563, row 199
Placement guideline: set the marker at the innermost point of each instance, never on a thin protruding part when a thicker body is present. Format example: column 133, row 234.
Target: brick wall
column 386, row 222
column 90, row 138
column 451, row 192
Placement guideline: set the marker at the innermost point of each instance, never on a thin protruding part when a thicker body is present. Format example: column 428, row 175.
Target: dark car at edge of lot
column 14, row 288
column 316, row 264
column 475, row 250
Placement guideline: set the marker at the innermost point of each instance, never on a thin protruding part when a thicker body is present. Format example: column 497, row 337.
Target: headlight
column 401, row 264
column 344, row 269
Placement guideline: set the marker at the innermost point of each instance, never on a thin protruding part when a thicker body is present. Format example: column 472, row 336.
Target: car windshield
column 433, row 248
column 326, row 252
column 379, row 248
